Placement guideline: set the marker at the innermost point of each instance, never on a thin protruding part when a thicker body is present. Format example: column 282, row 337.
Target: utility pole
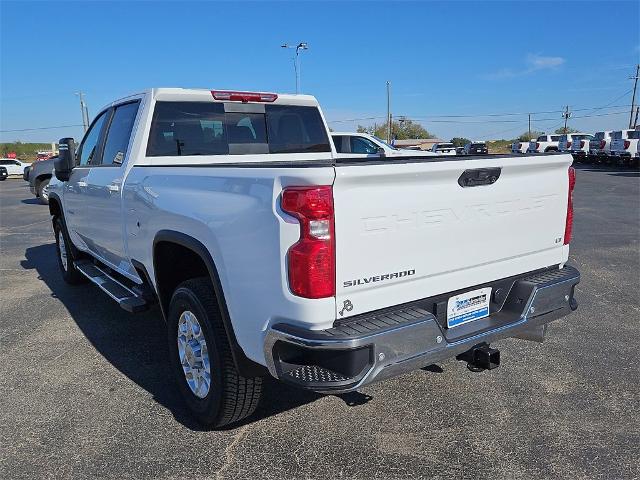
column 84, row 112
column 296, row 60
column 566, row 116
column 529, row 126
column 633, row 97
column 635, row 123
column 388, row 112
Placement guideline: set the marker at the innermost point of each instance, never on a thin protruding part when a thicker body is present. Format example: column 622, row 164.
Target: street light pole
column 84, row 111
column 296, row 60
column 633, row 97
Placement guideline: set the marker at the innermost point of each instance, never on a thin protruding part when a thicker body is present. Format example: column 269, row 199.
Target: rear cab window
column 203, row 128
column 634, row 135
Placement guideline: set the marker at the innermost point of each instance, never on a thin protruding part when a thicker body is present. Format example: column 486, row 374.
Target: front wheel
column 43, row 191
column 65, row 258
column 213, row 389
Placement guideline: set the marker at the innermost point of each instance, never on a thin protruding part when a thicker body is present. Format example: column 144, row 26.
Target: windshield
column 385, row 143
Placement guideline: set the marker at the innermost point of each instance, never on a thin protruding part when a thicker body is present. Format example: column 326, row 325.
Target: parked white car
column 544, row 144
column 624, row 145
column 600, row 145
column 520, row 146
column 443, row 149
column 566, row 141
column 355, row 144
column 13, row 166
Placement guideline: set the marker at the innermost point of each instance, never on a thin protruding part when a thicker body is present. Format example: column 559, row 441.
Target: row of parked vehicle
column 620, row 147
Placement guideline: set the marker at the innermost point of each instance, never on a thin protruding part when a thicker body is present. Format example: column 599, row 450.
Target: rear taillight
column 569, row 223
column 581, row 144
column 311, row 260
column 537, row 146
column 626, row 144
column 602, row 144
column 244, row 97
column 568, row 144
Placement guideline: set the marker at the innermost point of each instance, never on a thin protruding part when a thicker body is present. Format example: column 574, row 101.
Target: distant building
column 421, row 143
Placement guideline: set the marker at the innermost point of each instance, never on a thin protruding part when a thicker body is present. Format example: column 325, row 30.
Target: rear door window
column 555, row 138
column 119, row 134
column 201, row 128
column 634, row 134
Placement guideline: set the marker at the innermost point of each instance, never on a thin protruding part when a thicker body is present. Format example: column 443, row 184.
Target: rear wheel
column 201, row 359
column 43, row 191
column 65, row 257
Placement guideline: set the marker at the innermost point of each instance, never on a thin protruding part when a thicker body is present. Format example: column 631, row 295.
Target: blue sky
column 442, row 58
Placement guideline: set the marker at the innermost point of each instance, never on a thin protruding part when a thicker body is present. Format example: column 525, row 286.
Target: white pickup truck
column 624, row 144
column 269, row 255
column 544, row 144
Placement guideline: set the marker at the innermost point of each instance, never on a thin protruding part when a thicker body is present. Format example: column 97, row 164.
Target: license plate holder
column 468, row 306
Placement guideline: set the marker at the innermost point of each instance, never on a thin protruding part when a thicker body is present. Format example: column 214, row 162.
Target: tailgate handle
column 479, row 176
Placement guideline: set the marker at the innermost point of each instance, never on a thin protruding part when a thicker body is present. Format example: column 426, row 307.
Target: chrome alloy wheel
column 62, row 251
column 45, row 192
column 194, row 355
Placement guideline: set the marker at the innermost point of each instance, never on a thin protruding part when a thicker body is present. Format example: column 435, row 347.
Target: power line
column 481, row 115
column 38, row 128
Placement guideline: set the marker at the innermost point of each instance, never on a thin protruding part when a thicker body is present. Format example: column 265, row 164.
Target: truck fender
column 245, row 366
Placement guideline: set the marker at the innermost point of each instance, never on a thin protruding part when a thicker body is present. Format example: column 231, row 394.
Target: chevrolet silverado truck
column 268, row 254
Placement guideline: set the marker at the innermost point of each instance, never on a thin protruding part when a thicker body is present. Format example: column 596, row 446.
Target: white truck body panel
column 415, row 217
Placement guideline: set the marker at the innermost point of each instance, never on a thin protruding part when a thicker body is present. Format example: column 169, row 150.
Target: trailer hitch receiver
column 481, row 357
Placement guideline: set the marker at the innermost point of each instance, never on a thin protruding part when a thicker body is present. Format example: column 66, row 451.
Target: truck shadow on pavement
column 136, row 345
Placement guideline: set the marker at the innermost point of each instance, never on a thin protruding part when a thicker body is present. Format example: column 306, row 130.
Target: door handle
column 113, row 188
column 479, row 176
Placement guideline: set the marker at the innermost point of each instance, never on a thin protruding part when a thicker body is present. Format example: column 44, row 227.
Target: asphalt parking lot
column 85, row 391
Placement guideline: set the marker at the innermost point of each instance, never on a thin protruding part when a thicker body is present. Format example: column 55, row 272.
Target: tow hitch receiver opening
column 481, row 357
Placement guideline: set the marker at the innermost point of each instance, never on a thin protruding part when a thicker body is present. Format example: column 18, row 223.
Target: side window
column 363, row 145
column 89, row 147
column 337, row 141
column 117, row 140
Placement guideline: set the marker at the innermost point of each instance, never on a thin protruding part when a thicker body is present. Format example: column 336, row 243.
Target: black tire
column 231, row 397
column 69, row 273
column 43, row 191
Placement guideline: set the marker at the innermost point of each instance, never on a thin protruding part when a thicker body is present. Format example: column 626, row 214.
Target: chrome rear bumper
column 386, row 343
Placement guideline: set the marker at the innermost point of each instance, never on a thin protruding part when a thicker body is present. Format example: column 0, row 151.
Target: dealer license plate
column 468, row 306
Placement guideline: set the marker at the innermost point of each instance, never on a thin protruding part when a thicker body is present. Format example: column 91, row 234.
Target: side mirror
column 66, row 159
column 382, row 152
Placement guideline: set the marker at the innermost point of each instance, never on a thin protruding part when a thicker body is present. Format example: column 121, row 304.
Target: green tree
column 560, row 130
column 525, row 137
column 404, row 130
column 460, row 141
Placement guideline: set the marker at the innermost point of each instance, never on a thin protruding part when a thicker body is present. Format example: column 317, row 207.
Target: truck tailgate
column 407, row 230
